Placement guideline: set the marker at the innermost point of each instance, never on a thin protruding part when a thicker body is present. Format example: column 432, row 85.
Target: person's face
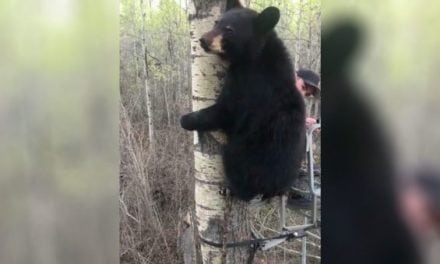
column 303, row 88
column 300, row 86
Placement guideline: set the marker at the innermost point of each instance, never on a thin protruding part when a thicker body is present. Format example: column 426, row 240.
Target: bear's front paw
column 188, row 121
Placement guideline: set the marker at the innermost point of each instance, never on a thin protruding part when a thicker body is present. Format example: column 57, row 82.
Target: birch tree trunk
column 298, row 36
column 219, row 219
column 318, row 52
column 145, row 78
column 309, row 46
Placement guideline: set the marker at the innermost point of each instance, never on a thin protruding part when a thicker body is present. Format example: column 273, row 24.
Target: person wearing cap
column 307, row 83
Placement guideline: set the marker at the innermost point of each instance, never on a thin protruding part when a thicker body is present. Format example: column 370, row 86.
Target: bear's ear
column 267, row 20
column 233, row 4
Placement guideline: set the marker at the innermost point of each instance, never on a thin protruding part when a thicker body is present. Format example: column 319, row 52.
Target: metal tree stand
column 288, row 233
column 310, row 222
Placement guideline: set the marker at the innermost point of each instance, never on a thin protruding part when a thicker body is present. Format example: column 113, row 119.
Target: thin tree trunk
column 150, row 114
column 219, row 219
column 298, row 36
column 145, row 78
column 309, row 46
column 318, row 40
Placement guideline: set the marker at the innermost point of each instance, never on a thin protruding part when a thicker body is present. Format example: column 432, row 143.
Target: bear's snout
column 204, row 44
column 212, row 42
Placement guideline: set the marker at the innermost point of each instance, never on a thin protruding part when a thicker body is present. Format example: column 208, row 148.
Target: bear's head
column 240, row 33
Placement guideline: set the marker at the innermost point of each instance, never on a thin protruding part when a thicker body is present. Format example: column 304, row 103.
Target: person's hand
column 415, row 208
column 310, row 122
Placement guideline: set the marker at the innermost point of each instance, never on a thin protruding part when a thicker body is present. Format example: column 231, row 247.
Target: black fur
column 259, row 109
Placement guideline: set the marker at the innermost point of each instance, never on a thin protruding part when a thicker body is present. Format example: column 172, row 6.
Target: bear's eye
column 216, row 22
column 229, row 30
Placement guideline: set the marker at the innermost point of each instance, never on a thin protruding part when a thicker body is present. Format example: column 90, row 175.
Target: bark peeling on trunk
column 218, row 218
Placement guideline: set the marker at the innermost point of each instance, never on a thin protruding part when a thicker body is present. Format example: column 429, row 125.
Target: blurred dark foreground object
column 361, row 222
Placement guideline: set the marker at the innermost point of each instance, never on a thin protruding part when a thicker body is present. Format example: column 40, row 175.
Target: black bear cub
column 259, row 109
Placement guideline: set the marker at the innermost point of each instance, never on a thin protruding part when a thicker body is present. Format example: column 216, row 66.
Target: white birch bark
column 218, row 218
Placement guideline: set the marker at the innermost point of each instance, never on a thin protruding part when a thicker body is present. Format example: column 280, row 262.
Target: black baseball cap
column 310, row 77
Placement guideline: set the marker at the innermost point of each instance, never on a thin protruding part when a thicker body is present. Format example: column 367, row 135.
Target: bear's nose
column 204, row 43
